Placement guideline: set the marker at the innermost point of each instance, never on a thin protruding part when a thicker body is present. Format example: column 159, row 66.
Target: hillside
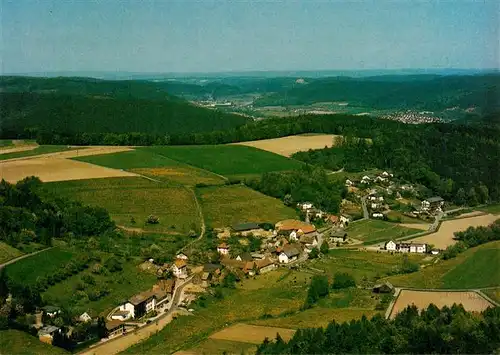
column 72, row 105
column 425, row 92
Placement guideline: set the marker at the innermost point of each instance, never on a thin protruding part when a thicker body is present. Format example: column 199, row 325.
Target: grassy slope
column 436, row 276
column 7, row 252
column 228, row 205
column 228, row 159
column 493, row 209
column 121, row 285
column 43, row 149
column 373, row 231
column 136, row 197
column 42, row 264
column 154, row 165
column 15, row 342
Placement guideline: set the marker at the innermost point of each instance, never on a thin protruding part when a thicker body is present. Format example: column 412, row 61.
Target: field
column 493, row 209
column 471, row 301
column 217, row 346
column 471, row 273
column 7, row 252
column 121, row 286
column 252, row 333
column 42, row 264
column 444, row 236
column 373, row 231
column 155, row 166
column 228, row 205
column 493, row 293
column 125, row 198
column 16, row 342
column 287, row 146
column 55, row 169
column 227, row 159
column 29, row 151
column 435, row 276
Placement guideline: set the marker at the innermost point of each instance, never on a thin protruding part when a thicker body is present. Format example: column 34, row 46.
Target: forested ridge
column 450, row 330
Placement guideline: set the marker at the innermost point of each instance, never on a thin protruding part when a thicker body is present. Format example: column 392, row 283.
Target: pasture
column 287, row 146
column 435, row 276
column 373, row 231
column 20, row 343
column 227, row 160
column 443, row 238
column 130, row 200
column 228, row 205
column 8, row 252
column 42, row 264
column 471, row 301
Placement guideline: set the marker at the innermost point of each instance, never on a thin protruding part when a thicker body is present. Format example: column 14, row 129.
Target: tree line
column 450, row 330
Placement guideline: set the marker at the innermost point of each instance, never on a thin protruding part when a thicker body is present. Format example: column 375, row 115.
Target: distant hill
column 424, row 92
column 97, row 106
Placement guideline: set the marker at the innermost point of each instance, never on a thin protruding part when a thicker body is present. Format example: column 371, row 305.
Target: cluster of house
column 406, row 247
column 46, row 332
column 313, row 212
column 367, row 180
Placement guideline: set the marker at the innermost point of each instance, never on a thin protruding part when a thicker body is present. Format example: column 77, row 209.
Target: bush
column 113, row 264
column 343, row 280
column 317, row 289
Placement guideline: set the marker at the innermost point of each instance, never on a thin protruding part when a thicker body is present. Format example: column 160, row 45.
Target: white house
column 179, row 268
column 378, row 215
column 385, row 174
column 140, row 304
column 288, row 254
column 348, row 183
column 381, row 179
column 390, row 245
column 418, row 248
column 366, row 177
column 84, row 317
column 223, row 249
column 293, row 236
column 304, row 206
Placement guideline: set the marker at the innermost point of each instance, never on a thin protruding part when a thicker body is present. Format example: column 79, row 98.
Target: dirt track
column 289, row 145
column 444, row 236
column 254, row 334
column 471, row 301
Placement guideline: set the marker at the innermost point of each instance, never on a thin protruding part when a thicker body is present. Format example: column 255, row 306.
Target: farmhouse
column 265, row 265
column 432, row 203
column 213, row 268
column 223, row 249
column 141, row 304
column 390, row 245
column 46, row 334
column 288, row 254
column 411, row 247
column 114, row 328
column 338, row 236
column 244, row 257
column 179, row 268
column 418, row 248
column 309, row 240
column 292, row 225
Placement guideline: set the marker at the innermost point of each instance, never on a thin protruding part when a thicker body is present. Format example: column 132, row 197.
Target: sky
column 221, row 36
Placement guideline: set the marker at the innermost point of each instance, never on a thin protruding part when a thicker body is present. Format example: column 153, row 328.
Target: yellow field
column 252, row 333
column 444, row 236
column 471, row 301
column 181, row 175
column 289, row 145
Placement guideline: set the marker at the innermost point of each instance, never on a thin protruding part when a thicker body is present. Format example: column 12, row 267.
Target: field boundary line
column 201, row 217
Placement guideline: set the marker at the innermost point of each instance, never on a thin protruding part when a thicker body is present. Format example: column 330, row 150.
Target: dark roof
column 435, row 199
column 241, row 227
column 246, row 256
column 263, row 263
column 121, row 313
column 141, row 297
column 290, row 251
column 338, row 234
column 48, row 329
column 113, row 324
column 211, row 267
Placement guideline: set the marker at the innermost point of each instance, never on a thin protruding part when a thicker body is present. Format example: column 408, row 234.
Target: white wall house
column 129, row 307
column 84, row 317
column 293, row 236
column 390, row 245
column 418, row 248
column 179, row 268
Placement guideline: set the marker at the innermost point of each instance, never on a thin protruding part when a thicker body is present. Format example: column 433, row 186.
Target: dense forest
column 417, row 92
column 450, row 330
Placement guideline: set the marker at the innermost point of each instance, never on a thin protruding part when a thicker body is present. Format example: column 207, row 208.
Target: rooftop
column 241, row 227
column 180, row 263
column 435, row 199
column 293, row 224
column 48, row 329
column 113, row 324
column 141, row 297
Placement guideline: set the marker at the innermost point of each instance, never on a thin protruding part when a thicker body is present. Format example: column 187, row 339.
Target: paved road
column 12, row 261
column 123, row 342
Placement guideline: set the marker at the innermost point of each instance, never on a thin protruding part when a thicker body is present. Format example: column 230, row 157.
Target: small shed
column 385, row 287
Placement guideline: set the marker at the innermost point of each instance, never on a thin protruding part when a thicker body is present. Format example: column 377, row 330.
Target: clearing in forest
column 290, row 145
column 443, row 238
column 252, row 333
column 472, row 301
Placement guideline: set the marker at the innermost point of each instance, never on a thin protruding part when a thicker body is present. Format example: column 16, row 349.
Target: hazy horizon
column 171, row 37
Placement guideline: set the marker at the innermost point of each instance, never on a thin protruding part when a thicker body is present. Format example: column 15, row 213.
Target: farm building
column 214, row 269
column 289, row 253
column 292, row 225
column 390, row 245
column 432, row 203
column 309, row 240
column 385, row 287
column 265, row 265
column 179, row 268
column 410, row 247
column 339, row 236
column 247, row 228
column 114, row 328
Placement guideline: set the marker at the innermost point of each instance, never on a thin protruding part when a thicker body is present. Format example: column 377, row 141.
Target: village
column 287, row 244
